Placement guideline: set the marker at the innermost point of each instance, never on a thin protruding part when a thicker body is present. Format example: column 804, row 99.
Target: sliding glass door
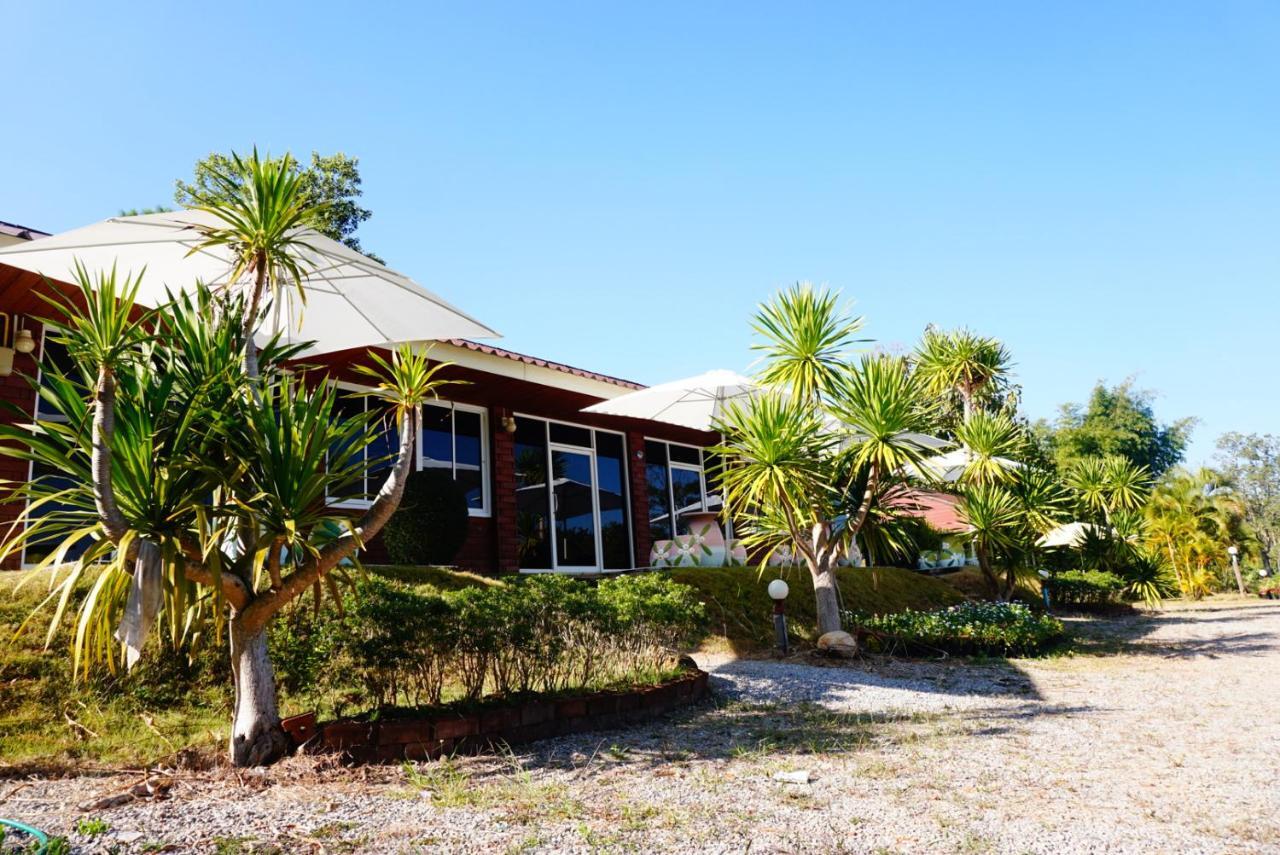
column 573, row 509
column 571, row 496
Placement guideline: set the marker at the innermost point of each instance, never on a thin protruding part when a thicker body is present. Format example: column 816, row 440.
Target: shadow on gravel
column 1137, row 635
column 764, row 680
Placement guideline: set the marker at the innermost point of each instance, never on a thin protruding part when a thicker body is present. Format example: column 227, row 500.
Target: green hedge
column 1001, row 629
column 407, row 647
column 1086, row 587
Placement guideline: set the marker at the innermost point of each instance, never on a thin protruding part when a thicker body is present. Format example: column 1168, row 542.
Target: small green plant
column 91, row 826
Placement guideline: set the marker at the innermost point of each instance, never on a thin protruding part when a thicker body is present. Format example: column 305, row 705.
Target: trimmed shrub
column 1087, row 588
column 539, row 634
column 1001, row 629
column 430, row 525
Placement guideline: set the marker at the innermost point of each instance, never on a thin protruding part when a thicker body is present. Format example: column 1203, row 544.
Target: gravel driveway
column 1163, row 737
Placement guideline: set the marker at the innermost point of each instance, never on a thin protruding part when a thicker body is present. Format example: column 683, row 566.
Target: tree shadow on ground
column 1139, row 635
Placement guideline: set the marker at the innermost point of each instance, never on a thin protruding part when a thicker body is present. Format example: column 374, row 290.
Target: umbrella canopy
column 351, row 300
column 949, row 467
column 1069, row 535
column 694, row 402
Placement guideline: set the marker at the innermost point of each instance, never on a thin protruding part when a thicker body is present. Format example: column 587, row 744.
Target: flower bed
column 1002, row 629
column 431, row 734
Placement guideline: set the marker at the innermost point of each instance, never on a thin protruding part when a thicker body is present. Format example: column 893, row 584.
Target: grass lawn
column 740, row 613
column 51, row 722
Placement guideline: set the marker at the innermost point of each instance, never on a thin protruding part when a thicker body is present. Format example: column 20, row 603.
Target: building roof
column 543, row 363
column 23, row 232
column 937, row 509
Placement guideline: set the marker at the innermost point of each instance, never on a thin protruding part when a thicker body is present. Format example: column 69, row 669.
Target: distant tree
column 331, row 185
column 1119, row 421
column 1251, row 462
column 135, row 212
column 1194, row 517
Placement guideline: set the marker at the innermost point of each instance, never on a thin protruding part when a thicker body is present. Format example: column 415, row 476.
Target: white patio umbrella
column 949, row 467
column 1069, row 535
column 351, row 300
column 694, row 402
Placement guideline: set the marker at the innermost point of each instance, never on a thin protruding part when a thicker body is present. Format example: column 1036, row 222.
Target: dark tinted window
column 533, row 503
column 611, row 479
column 437, row 437
column 685, row 454
column 569, row 435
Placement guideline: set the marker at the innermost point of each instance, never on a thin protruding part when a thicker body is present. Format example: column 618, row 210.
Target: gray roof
column 23, row 232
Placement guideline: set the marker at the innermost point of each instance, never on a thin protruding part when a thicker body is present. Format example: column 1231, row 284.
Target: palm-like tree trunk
column 821, row 556
column 984, row 564
column 256, row 735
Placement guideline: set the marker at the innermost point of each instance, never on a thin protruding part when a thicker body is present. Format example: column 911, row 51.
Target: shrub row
column 1002, row 629
column 541, row 634
column 1087, row 587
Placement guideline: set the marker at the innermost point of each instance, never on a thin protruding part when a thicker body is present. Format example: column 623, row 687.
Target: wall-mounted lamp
column 13, row 340
column 509, row 423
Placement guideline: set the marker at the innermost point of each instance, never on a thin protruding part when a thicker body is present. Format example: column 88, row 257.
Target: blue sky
column 617, row 187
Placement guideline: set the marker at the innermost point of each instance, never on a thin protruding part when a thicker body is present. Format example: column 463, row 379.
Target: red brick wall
column 16, row 390
column 503, row 524
column 639, row 483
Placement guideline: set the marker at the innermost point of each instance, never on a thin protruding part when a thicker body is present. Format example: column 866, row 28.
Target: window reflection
column 533, row 502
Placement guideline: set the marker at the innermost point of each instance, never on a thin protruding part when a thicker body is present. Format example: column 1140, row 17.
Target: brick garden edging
column 445, row 733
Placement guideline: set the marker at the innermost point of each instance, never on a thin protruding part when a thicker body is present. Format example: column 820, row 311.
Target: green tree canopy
column 1251, row 463
column 330, row 184
column 1119, row 421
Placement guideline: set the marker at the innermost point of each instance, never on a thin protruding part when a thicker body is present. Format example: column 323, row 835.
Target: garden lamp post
column 778, row 590
column 1234, row 552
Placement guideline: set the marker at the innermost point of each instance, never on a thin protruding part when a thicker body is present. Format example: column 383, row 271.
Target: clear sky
column 618, row 185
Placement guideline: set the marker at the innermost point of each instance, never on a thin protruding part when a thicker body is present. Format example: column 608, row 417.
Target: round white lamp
column 778, row 589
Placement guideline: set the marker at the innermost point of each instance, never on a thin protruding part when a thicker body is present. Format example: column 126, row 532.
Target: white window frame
column 45, row 330
column 700, row 468
column 352, row 504
column 486, row 488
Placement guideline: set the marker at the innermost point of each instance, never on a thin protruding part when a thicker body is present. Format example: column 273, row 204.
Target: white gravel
column 1165, row 740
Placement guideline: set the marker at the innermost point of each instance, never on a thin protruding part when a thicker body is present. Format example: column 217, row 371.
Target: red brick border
column 445, row 733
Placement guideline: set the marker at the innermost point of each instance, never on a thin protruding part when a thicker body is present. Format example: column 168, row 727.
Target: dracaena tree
column 193, row 470
column 963, row 364
column 806, row 463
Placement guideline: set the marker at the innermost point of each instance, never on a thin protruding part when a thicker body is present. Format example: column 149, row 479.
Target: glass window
column 454, row 438
column 657, row 476
column 570, row 435
column 676, row 487
column 379, row 455
column 54, row 354
column 437, row 438
column 611, row 480
column 533, row 502
column 686, row 489
column 685, row 454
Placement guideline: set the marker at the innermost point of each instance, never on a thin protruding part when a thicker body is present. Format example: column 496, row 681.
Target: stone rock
column 838, row 643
